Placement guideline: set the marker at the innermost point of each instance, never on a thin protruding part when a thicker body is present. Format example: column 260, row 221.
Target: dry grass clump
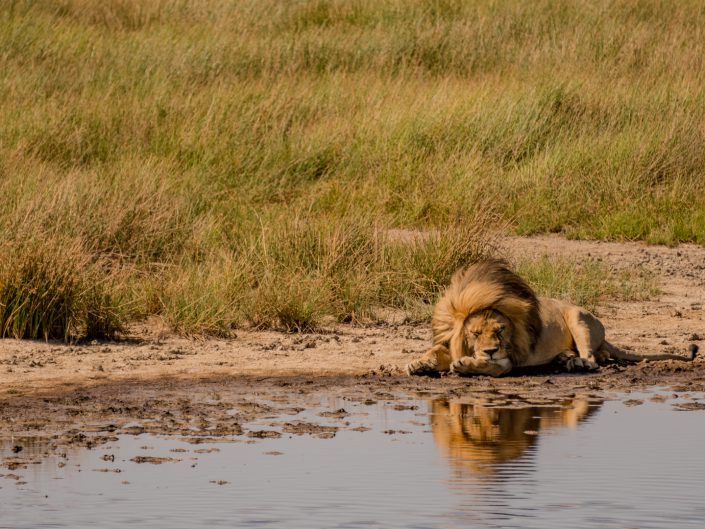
column 350, row 269
column 55, row 289
column 77, row 249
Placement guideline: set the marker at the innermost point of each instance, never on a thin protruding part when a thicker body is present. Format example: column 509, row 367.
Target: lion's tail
column 620, row 354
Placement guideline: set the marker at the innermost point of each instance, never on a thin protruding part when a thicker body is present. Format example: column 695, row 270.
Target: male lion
column 489, row 321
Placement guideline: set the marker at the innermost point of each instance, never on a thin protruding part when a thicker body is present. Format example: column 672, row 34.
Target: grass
column 229, row 163
column 293, row 273
column 586, row 283
column 53, row 288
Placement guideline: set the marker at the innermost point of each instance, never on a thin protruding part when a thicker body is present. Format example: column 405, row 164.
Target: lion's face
column 488, row 335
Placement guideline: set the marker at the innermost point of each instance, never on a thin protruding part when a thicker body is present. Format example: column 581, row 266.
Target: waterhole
column 632, row 462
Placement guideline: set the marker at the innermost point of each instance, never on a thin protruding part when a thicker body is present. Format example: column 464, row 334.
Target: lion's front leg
column 577, row 364
column 469, row 365
column 436, row 360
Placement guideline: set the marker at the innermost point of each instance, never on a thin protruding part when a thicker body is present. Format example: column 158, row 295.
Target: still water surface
column 441, row 465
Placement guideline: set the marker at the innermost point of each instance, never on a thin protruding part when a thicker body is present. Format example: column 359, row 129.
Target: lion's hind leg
column 588, row 336
column 434, row 361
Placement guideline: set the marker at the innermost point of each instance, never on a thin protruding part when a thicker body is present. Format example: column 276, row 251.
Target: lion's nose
column 490, row 351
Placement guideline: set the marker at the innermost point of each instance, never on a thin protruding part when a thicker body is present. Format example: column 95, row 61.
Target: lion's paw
column 581, row 364
column 462, row 366
column 421, row 368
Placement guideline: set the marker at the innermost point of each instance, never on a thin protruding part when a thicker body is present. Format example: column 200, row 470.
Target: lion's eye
column 500, row 331
column 476, row 333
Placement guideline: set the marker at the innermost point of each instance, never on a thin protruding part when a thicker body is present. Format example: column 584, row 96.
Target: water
column 577, row 464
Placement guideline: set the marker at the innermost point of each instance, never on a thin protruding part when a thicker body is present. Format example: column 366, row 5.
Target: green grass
column 222, row 163
column 54, row 288
column 587, row 283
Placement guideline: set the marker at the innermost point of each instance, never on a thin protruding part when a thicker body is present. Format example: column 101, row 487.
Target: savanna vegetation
column 220, row 163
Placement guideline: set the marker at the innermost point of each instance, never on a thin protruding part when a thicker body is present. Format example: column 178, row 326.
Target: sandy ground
column 55, row 389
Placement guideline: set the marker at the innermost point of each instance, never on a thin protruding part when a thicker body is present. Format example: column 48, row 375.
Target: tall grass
column 222, row 162
column 294, row 273
column 54, row 288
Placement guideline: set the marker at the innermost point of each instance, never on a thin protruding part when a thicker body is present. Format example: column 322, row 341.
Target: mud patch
column 152, row 460
column 689, row 406
column 633, row 402
column 302, row 428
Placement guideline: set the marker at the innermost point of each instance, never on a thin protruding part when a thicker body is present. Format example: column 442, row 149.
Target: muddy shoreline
column 223, row 408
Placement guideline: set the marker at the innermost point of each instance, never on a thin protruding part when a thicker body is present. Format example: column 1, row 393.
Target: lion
column 489, row 321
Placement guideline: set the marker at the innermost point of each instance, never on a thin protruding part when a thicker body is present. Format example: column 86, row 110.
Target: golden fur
column 489, row 321
column 479, row 437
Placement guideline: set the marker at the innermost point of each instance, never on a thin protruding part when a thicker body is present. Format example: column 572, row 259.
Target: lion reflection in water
column 478, row 437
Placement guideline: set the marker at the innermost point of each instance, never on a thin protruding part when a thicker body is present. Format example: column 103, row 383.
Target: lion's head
column 486, row 307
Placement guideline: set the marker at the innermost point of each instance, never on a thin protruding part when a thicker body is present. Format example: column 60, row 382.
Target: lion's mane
column 487, row 285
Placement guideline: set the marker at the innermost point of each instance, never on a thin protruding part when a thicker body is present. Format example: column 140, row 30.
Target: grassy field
column 222, row 163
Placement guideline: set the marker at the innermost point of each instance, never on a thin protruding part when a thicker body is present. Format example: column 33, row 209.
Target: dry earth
column 180, row 385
